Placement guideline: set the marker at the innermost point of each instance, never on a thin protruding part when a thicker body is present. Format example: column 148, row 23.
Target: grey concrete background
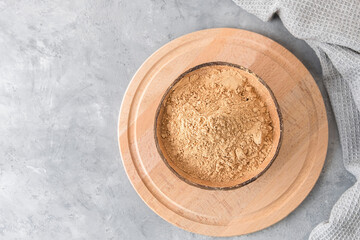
column 64, row 67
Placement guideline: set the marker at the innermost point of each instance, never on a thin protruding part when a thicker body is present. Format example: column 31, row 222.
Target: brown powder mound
column 215, row 127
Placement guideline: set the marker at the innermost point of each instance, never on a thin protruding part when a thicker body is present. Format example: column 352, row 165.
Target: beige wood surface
column 252, row 207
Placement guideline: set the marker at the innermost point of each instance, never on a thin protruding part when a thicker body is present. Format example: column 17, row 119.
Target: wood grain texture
column 252, row 207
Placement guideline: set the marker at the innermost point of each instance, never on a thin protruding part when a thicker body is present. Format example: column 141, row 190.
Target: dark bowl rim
column 169, row 89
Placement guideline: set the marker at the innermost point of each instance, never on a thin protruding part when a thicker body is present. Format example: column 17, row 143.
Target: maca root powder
column 214, row 125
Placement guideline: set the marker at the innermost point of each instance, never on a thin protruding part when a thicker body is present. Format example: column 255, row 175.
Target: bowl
column 266, row 95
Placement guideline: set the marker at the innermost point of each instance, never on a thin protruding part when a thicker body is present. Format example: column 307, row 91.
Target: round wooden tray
column 252, row 207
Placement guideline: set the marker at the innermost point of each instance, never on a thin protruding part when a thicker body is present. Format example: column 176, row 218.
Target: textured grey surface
column 64, row 67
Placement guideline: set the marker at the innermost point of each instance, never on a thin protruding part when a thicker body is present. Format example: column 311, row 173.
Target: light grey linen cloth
column 332, row 29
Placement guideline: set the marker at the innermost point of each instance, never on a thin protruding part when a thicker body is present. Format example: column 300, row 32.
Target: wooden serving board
column 252, row 207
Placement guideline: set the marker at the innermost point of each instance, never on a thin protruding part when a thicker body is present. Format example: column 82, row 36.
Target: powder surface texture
column 214, row 125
